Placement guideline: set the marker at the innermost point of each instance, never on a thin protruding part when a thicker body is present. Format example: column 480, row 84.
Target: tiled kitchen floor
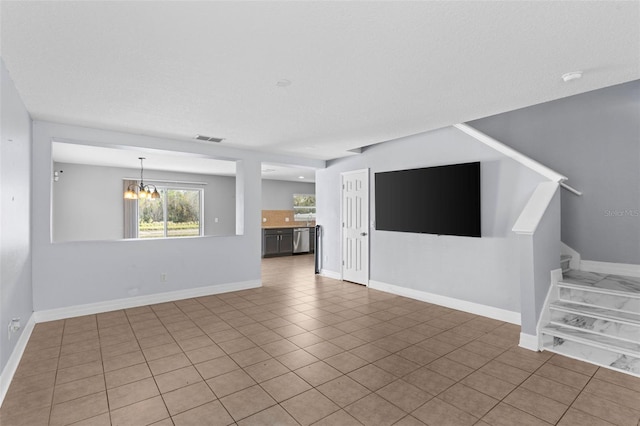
column 304, row 350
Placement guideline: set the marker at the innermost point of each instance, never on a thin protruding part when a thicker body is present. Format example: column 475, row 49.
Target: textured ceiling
column 360, row 72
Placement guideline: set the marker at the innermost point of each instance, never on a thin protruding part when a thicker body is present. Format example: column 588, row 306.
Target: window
column 304, row 207
column 177, row 213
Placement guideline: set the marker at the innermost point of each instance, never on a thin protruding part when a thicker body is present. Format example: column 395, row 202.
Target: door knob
column 364, row 234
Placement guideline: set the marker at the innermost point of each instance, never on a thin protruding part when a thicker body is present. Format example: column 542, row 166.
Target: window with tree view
column 177, row 213
column 304, row 207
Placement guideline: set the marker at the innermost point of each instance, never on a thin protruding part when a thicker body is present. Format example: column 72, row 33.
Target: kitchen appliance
column 318, row 248
column 300, row 240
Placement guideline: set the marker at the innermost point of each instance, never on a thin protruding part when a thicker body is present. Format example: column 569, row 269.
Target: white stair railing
column 570, row 189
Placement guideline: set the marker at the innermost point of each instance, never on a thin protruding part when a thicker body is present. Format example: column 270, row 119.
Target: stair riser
column 609, row 328
column 599, row 356
column 610, row 301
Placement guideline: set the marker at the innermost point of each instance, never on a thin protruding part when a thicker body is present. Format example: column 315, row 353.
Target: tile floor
column 304, row 350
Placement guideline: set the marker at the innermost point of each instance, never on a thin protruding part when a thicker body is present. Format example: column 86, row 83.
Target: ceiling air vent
column 208, row 138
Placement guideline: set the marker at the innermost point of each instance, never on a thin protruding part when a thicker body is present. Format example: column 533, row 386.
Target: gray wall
column 15, row 202
column 97, row 214
column 278, row 194
column 480, row 270
column 539, row 255
column 84, row 272
column 593, row 139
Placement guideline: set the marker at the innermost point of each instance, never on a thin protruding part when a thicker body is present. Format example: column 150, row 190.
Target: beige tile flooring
column 304, row 350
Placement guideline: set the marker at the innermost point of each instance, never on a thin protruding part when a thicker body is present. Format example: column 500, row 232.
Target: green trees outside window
column 175, row 214
column 304, row 207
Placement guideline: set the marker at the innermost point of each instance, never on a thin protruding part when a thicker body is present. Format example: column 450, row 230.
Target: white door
column 355, row 226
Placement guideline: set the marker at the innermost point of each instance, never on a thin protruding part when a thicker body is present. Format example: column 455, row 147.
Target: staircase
column 596, row 318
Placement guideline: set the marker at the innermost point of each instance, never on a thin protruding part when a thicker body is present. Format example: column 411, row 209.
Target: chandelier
column 141, row 190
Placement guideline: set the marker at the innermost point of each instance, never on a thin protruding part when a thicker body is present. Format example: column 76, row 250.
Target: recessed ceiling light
column 300, row 177
column 283, row 83
column 574, row 75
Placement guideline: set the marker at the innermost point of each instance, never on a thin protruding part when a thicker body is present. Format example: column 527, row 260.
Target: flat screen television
column 443, row 200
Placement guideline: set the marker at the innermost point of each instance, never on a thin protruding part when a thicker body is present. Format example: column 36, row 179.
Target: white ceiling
column 361, row 72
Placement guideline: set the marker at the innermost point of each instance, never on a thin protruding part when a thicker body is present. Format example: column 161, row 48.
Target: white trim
column 574, row 263
column 172, row 182
column 510, row 152
column 12, row 363
column 570, row 189
column 449, row 302
column 627, row 269
column 529, row 341
column 132, row 302
column 351, row 172
column 330, row 274
column 532, row 214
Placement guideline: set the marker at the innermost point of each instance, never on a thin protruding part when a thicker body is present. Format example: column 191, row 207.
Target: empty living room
column 319, row 213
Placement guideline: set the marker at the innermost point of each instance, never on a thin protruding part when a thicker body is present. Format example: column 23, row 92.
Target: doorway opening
column 288, row 210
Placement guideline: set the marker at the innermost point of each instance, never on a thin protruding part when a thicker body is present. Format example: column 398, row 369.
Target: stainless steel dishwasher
column 300, row 240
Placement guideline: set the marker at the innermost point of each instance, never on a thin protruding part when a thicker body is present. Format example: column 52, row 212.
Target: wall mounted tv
column 443, row 200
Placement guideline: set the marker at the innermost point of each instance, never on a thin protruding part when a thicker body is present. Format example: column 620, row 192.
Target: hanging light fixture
column 141, row 191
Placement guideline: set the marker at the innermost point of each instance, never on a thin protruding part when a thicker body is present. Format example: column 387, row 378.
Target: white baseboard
column 132, row 302
column 627, row 269
column 330, row 274
column 110, row 305
column 12, row 364
column 449, row 302
column 574, row 263
column 529, row 341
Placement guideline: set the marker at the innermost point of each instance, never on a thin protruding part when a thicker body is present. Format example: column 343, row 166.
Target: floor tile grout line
column 82, row 396
column 146, row 363
column 192, row 365
column 104, row 374
column 586, row 391
column 381, row 305
column 55, row 380
column 528, row 377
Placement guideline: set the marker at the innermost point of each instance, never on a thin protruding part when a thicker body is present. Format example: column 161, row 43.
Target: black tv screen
column 443, row 200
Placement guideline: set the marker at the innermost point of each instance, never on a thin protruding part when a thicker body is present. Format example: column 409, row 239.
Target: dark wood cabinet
column 286, row 243
column 277, row 242
column 270, row 244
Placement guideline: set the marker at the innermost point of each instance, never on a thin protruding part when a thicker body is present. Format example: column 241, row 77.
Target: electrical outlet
column 14, row 326
column 215, row 220
column 163, row 277
column 286, row 219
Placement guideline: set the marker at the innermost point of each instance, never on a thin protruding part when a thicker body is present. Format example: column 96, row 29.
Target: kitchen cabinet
column 277, row 242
